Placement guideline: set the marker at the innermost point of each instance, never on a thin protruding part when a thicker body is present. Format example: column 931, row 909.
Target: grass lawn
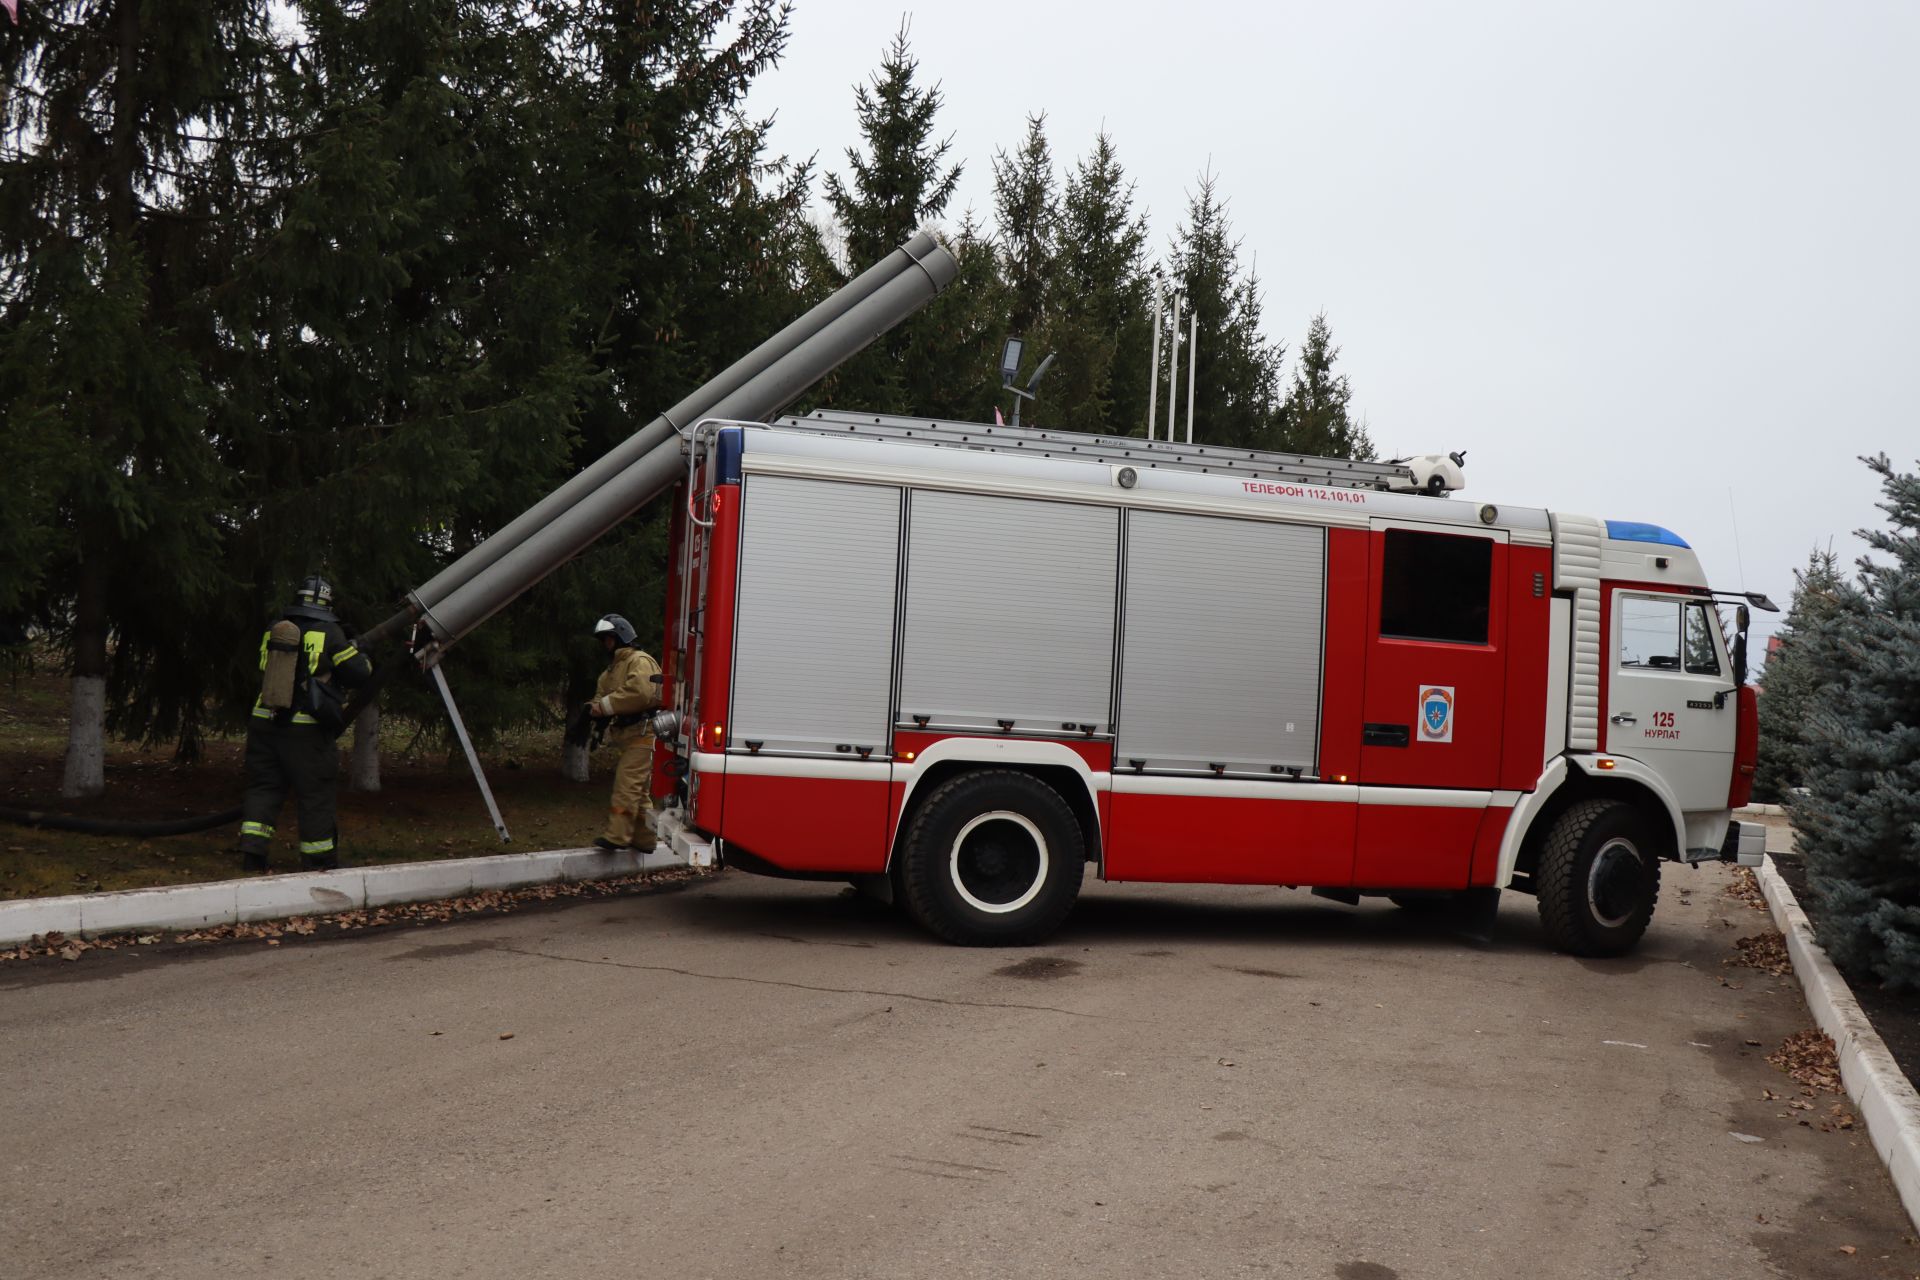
column 428, row 806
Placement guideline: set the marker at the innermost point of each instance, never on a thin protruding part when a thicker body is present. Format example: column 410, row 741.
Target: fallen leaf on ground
column 1809, row 1058
column 492, row 901
column 1743, row 886
column 506, row 1035
column 1766, row 952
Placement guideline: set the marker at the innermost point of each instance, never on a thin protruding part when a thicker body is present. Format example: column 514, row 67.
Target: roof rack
column 1342, row 473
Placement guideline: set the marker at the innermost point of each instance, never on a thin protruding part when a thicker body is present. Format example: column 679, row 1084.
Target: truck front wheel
column 992, row 859
column 1597, row 879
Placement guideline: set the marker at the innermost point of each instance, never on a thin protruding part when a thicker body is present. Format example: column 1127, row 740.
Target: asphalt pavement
column 751, row 1077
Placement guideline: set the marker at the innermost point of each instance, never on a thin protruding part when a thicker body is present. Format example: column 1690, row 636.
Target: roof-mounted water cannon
column 1437, row 474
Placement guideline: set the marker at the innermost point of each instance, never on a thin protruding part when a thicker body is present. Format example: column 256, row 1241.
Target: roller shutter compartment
column 1221, row 654
column 1009, row 612
column 813, row 654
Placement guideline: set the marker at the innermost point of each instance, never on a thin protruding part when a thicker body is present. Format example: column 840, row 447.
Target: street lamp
column 1010, row 369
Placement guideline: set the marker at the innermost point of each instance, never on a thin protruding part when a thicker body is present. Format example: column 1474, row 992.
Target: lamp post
column 1010, row 369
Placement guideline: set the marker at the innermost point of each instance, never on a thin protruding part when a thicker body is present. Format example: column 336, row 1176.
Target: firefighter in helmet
column 628, row 689
column 306, row 664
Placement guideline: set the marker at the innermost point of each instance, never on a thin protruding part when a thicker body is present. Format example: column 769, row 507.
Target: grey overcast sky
column 1642, row 261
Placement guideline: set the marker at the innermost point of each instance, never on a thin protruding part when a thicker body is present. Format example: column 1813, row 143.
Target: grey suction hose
column 424, row 600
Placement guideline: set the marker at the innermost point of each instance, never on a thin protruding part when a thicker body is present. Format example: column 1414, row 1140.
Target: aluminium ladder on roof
column 1344, row 473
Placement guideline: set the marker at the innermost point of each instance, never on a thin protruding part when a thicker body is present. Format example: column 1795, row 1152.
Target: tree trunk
column 574, row 761
column 86, row 771
column 86, row 739
column 363, row 770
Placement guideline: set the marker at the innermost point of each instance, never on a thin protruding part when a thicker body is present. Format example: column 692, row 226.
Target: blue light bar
column 728, row 444
column 1634, row 531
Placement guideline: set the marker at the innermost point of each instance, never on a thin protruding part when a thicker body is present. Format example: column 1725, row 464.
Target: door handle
column 1624, row 718
column 1384, row 735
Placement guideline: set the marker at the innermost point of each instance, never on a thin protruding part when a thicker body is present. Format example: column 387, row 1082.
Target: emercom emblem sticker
column 1436, row 713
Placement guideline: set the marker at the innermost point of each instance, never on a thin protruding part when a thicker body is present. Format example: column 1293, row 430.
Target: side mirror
column 1741, row 617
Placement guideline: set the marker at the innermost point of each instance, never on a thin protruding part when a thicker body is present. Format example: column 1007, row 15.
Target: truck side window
column 1699, row 653
column 1435, row 586
column 1667, row 635
column 1649, row 633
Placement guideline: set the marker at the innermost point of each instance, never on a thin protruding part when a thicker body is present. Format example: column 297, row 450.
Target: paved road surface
column 756, row 1078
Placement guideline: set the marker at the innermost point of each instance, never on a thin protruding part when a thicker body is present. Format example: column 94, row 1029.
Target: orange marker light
column 1340, row 777
column 1604, row 763
column 906, row 755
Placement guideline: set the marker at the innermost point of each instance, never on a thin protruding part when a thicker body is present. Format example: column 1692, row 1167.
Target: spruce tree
column 694, row 241
column 1099, row 321
column 416, row 305
column 1316, row 415
column 126, row 177
column 1238, row 371
column 1859, row 820
column 1026, row 207
column 901, row 181
column 1788, row 683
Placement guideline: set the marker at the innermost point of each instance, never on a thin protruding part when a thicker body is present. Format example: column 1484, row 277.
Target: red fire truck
column 966, row 663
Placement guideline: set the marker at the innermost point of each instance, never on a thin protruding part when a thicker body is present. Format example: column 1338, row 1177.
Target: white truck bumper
column 1750, row 846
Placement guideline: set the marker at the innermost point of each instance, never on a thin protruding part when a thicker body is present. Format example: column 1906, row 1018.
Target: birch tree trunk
column 86, row 769
column 575, row 759
column 363, row 768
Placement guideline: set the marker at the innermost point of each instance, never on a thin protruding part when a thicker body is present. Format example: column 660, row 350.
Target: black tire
column 992, row 859
column 1598, row 878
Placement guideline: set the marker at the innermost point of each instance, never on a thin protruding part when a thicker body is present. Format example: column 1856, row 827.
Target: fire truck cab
column 970, row 663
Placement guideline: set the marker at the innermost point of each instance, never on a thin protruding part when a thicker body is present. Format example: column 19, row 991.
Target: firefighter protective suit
column 625, row 694
column 294, row 748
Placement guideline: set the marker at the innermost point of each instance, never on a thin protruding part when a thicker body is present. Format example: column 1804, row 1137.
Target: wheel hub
column 1617, row 883
column 999, row 862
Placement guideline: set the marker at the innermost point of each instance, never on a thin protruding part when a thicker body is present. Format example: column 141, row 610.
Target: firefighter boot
column 644, row 839
column 255, row 839
column 320, row 855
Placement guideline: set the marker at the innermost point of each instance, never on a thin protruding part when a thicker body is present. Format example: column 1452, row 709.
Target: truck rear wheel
column 992, row 859
column 1597, row 879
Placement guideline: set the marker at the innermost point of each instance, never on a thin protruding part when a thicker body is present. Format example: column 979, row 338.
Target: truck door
column 1671, row 703
column 1434, row 703
column 1436, row 657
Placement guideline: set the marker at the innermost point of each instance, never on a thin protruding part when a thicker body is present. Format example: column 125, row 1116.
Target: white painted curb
column 198, row 906
column 1761, row 811
column 1874, row 1081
